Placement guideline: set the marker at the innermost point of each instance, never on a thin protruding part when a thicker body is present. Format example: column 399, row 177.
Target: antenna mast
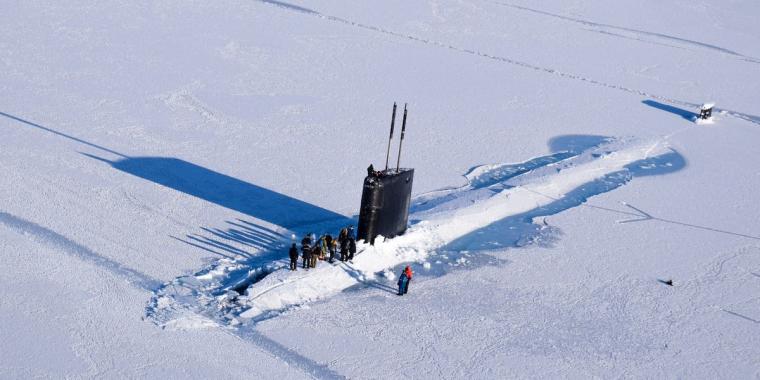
column 393, row 120
column 403, row 129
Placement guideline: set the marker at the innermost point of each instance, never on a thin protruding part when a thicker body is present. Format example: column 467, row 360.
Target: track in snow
column 294, row 8
column 635, row 34
column 314, row 369
column 51, row 238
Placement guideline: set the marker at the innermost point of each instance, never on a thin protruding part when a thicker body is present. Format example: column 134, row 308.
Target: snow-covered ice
column 159, row 158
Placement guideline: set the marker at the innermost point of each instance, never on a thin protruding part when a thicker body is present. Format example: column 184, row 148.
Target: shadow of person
column 363, row 281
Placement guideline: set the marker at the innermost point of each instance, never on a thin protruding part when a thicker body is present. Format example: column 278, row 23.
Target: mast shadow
column 223, row 190
column 684, row 114
column 209, row 185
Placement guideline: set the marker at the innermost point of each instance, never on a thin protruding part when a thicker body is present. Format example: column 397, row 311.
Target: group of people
column 324, row 248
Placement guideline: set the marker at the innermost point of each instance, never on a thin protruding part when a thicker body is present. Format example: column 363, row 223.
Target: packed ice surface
column 157, row 158
column 274, row 288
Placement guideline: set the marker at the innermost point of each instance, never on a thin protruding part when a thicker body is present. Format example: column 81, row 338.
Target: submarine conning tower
column 386, row 195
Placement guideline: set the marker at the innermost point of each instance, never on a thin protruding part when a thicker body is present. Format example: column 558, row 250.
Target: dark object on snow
column 346, row 233
column 668, row 282
column 393, row 121
column 322, row 247
column 408, row 273
column 705, row 112
column 306, row 258
column 401, row 141
column 402, row 283
column 306, row 251
column 344, row 252
column 386, row 197
column 293, row 253
column 351, row 248
column 404, row 280
column 331, row 246
column 315, row 251
column 385, row 205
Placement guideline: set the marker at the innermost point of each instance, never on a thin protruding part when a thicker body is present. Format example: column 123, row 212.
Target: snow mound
column 229, row 290
column 190, row 322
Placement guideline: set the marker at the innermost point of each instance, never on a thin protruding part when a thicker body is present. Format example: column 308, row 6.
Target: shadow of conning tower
column 386, row 195
column 225, row 191
column 209, row 185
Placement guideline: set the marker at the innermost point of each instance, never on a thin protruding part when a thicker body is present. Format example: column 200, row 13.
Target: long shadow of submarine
column 223, row 190
column 214, row 187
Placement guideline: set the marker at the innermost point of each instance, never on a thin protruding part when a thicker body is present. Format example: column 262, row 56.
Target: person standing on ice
column 306, row 241
column 293, row 257
column 306, row 251
column 317, row 249
column 343, row 243
column 408, row 274
column 403, row 282
column 306, row 254
column 314, row 256
column 323, row 247
column 331, row 246
column 344, row 249
column 351, row 248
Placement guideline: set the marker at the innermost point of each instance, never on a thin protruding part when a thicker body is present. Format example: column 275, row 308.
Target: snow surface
column 158, row 156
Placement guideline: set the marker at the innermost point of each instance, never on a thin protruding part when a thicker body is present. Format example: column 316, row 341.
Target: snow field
column 281, row 289
column 156, row 156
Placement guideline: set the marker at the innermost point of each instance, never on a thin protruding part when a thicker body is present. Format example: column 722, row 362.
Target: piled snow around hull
column 276, row 289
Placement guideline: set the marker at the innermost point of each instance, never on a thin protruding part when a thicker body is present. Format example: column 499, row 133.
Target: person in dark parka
column 293, row 253
column 408, row 273
column 351, row 248
column 306, row 251
column 403, row 281
column 344, row 249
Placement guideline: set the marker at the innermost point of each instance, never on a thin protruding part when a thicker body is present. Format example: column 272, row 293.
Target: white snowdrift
column 283, row 289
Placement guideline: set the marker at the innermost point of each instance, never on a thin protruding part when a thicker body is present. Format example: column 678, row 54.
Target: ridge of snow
column 280, row 289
